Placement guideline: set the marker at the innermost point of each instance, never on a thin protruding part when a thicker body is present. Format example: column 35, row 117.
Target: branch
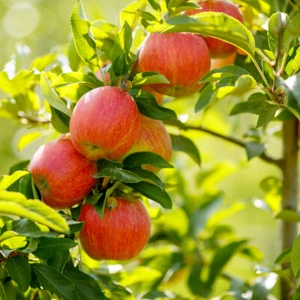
column 233, row 140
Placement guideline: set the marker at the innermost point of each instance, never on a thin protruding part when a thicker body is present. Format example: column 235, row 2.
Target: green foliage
column 193, row 250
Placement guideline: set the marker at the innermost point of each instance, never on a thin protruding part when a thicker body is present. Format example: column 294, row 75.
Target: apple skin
column 219, row 62
column 153, row 138
column 183, row 58
column 105, row 123
column 217, row 47
column 62, row 175
column 120, row 235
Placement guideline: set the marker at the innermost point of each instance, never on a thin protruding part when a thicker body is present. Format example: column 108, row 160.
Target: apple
column 217, row 47
column 153, row 138
column 120, row 235
column 62, row 175
column 219, row 62
column 183, row 58
column 105, row 123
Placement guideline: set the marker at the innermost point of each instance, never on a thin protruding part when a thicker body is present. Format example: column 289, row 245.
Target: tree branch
column 265, row 157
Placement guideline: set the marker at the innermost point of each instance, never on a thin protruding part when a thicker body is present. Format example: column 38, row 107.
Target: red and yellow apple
column 183, row 58
column 120, row 235
column 62, row 175
column 105, row 123
column 153, row 138
column 219, row 62
column 217, row 47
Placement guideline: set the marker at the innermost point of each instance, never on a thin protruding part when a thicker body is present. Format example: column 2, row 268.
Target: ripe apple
column 105, row 123
column 217, row 47
column 183, row 58
column 62, row 175
column 219, row 62
column 153, row 138
column 120, row 235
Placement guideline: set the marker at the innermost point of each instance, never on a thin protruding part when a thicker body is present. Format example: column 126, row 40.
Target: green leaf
column 288, row 215
column 72, row 78
column 40, row 63
column 254, row 149
column 52, row 97
column 214, row 24
column 254, row 105
column 148, row 78
column 86, row 286
column 184, row 144
column 155, row 5
column 28, row 138
column 284, row 256
column 60, row 121
column 153, row 192
column 124, row 176
column 147, row 175
column 7, row 180
column 267, row 114
column 104, row 163
column 221, row 258
column 48, row 246
column 125, row 38
column 19, row 270
column 149, row 107
column 3, row 295
column 277, row 24
column 139, row 159
column 16, row 204
column 52, row 280
column 83, row 40
column 226, row 71
column 295, row 257
column 196, row 284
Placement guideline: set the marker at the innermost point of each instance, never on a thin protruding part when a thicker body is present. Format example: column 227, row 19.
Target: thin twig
column 233, row 140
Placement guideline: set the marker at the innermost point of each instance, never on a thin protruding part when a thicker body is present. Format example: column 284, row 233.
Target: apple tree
column 124, row 198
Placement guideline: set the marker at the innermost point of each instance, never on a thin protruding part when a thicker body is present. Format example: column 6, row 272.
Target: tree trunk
column 289, row 196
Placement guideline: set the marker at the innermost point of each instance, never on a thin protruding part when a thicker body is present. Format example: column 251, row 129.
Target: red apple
column 183, row 58
column 153, row 138
column 105, row 123
column 219, row 62
column 217, row 47
column 120, row 235
column 62, row 175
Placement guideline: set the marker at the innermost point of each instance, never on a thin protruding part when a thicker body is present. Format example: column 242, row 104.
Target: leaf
column 254, row 105
column 284, row 256
column 295, row 257
column 147, row 175
column 267, row 114
column 52, row 280
column 276, row 27
column 86, row 286
column 184, row 144
column 124, row 176
column 52, row 97
column 3, row 295
column 214, row 24
column 221, row 258
column 254, row 149
column 288, row 215
column 7, row 180
column 196, row 284
column 40, row 63
column 48, row 247
column 153, row 192
column 16, row 204
column 139, row 159
column 149, row 107
column 28, row 138
column 226, row 71
column 148, row 78
column 19, row 270
column 104, row 163
column 82, row 37
column 125, row 37
column 60, row 121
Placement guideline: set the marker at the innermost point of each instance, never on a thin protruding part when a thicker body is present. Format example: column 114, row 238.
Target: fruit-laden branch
column 233, row 140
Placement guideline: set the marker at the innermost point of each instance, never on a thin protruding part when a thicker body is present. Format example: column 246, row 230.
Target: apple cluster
column 105, row 123
column 184, row 58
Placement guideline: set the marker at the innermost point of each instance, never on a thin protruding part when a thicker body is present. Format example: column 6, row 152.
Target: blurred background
column 37, row 26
